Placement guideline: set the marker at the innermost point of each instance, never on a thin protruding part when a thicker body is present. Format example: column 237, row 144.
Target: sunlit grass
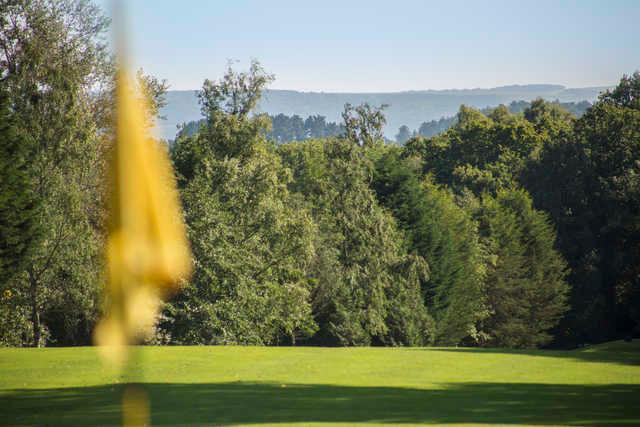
column 258, row 385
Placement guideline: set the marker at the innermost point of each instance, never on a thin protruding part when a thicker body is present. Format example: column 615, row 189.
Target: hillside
column 405, row 108
column 330, row 386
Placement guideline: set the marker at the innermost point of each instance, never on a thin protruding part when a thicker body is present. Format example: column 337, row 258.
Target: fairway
column 599, row 386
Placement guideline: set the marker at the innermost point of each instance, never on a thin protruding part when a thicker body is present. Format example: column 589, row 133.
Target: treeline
column 434, row 127
column 293, row 128
column 481, row 235
column 508, row 229
column 350, row 241
column 284, row 128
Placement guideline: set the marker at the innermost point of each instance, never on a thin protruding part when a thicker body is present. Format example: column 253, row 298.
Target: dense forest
column 508, row 228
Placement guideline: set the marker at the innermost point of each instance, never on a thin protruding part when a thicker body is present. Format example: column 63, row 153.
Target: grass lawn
column 221, row 386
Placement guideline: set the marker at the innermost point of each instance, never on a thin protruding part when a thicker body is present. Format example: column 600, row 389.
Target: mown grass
column 222, row 386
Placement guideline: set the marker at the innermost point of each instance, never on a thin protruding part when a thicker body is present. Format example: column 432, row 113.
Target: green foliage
column 367, row 288
column 587, row 179
column 236, row 94
column 19, row 231
column 609, row 134
column 154, row 92
column 340, row 240
column 16, row 328
column 284, row 128
column 363, row 123
column 54, row 60
column 482, row 153
column 526, row 290
column 19, row 208
column 446, row 237
column 251, row 239
column 550, row 121
column 575, row 109
column 626, row 94
column 293, row 128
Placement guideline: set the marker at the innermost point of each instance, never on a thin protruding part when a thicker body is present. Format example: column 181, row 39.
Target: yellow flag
column 147, row 250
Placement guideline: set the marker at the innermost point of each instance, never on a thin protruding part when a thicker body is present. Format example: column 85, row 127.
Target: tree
column 480, row 152
column 526, row 288
column 446, row 237
column 364, row 123
column 609, row 133
column 434, row 127
column 19, row 232
column 252, row 240
column 626, row 94
column 237, row 94
column 292, row 128
column 19, row 208
column 556, row 109
column 153, row 91
column 587, row 180
column 550, row 121
column 54, row 69
column 404, row 133
column 366, row 286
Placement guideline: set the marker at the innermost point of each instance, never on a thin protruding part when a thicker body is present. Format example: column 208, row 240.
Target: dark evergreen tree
column 367, row 288
column 446, row 237
column 19, row 207
column 525, row 283
column 587, row 179
column 609, row 134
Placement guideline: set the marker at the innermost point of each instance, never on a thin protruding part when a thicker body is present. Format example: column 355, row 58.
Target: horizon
column 452, row 89
column 377, row 47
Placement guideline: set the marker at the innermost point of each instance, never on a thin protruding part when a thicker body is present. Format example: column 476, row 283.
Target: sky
column 387, row 46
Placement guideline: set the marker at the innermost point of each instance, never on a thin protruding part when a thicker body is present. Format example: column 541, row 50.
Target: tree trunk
column 35, row 313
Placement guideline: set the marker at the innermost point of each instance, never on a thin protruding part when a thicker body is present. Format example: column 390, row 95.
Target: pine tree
column 367, row 287
column 526, row 288
column 18, row 204
column 446, row 237
column 19, row 231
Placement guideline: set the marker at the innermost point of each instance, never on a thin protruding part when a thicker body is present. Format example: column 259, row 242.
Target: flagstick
column 135, row 400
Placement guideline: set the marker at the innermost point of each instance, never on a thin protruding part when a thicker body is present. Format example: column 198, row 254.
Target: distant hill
column 410, row 108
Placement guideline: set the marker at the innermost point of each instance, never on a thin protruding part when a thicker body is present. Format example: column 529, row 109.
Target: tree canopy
column 516, row 226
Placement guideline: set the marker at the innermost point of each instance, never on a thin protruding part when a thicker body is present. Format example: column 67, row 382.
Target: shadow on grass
column 254, row 403
column 617, row 352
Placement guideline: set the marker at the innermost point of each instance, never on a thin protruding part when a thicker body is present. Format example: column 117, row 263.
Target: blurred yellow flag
column 147, row 250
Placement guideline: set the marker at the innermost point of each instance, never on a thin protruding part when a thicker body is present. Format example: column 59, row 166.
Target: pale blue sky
column 375, row 45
